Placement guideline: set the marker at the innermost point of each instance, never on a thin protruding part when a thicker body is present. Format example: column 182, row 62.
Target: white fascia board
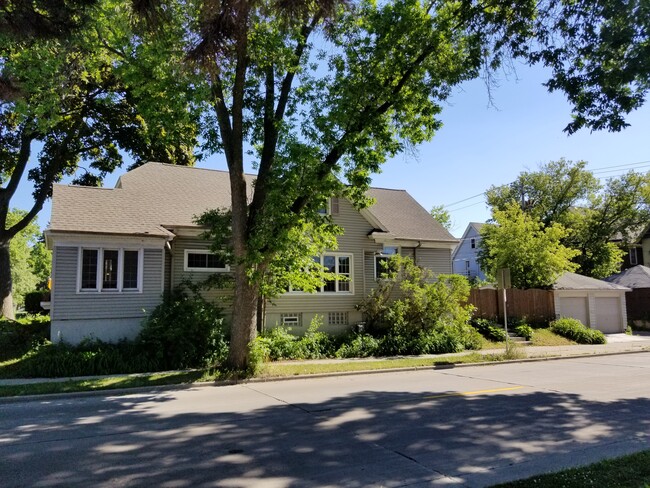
column 103, row 240
column 186, row 231
column 387, row 239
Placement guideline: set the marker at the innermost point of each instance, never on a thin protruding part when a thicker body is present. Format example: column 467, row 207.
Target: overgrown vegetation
column 489, row 329
column 17, row 337
column 182, row 332
column 575, row 330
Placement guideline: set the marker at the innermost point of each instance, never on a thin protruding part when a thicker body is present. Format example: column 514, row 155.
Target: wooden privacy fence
column 535, row 305
column 638, row 304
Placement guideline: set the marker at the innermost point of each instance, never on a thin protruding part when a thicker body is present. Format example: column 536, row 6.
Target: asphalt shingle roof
column 155, row 197
column 402, row 216
column 634, row 277
column 573, row 281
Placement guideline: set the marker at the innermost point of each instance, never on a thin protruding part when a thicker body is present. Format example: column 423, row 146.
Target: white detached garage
column 596, row 303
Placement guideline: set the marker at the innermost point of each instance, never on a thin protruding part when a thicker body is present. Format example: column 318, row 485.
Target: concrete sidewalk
column 616, row 344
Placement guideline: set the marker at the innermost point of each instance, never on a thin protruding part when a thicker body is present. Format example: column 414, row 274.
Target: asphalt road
column 472, row 426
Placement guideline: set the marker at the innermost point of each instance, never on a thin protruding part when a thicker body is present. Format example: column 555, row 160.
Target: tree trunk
column 6, row 300
column 244, row 319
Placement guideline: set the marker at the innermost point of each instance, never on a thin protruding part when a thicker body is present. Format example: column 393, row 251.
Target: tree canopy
column 84, row 99
column 320, row 94
column 519, row 241
column 593, row 213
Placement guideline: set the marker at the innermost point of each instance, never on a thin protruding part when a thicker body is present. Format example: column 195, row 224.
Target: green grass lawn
column 631, row 471
column 267, row 371
column 544, row 337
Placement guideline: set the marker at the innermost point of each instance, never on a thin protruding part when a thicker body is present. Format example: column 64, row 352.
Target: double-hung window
column 105, row 270
column 341, row 266
column 383, row 259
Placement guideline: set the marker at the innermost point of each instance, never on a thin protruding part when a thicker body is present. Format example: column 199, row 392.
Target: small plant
column 513, row 351
column 490, row 330
column 576, row 331
column 628, row 330
column 279, row 343
column 525, row 331
column 360, row 346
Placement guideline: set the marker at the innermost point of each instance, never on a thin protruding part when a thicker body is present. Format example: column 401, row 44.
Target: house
column 596, row 303
column 638, row 249
column 115, row 251
column 464, row 258
column 637, row 279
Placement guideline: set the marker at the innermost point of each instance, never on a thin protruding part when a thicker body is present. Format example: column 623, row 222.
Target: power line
column 464, row 200
column 598, row 170
column 602, row 169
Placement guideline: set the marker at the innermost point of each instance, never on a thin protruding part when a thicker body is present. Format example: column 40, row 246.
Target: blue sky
column 481, row 145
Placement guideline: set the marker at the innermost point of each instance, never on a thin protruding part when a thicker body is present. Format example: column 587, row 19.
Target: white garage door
column 608, row 315
column 575, row 307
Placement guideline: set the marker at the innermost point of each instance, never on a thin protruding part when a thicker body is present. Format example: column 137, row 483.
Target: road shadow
column 369, row 438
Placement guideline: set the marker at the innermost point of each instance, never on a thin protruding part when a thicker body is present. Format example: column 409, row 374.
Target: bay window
column 106, row 270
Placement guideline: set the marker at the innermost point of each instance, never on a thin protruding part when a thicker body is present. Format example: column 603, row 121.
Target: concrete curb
column 46, row 397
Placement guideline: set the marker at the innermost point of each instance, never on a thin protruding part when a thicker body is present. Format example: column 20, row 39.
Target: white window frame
column 385, row 253
column 291, row 319
column 326, row 210
column 472, row 243
column 186, row 267
column 337, row 255
column 337, row 292
column 634, row 253
column 120, row 269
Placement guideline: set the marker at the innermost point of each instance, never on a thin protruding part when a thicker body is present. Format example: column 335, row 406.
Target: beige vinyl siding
column 354, row 241
column 437, row 260
column 179, row 275
column 71, row 305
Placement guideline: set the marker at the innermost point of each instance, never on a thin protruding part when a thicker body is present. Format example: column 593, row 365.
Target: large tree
column 320, row 93
column 520, row 242
column 23, row 277
column 84, row 99
column 565, row 192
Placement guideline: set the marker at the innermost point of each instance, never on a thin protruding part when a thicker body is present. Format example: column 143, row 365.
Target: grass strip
column 267, row 370
column 96, row 384
column 632, row 471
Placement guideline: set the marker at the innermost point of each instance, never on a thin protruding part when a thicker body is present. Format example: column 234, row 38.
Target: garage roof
column 573, row 281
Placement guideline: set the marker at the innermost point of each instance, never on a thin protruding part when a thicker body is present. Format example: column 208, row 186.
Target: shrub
column 33, row 301
column 525, row 331
column 316, row 344
column 574, row 329
column 359, row 346
column 49, row 360
column 280, row 343
column 426, row 302
column 17, row 337
column 490, row 330
column 184, row 332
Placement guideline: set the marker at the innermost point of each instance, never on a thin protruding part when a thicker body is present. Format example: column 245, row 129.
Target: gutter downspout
column 415, row 252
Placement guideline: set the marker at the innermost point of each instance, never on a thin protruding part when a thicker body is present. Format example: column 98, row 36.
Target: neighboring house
column 115, row 251
column 637, row 278
column 638, row 251
column 596, row 303
column 464, row 257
